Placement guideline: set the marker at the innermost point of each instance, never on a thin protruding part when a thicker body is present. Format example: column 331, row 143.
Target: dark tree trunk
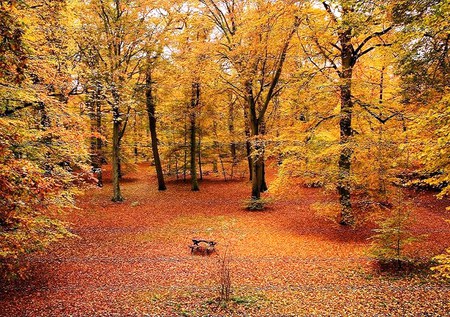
column 345, row 124
column 263, row 184
column 263, row 187
column 96, row 142
column 257, row 150
column 117, row 196
column 231, row 130
column 120, row 167
column 200, row 153
column 150, row 102
column 185, row 150
column 194, row 103
column 135, row 132
column 248, row 145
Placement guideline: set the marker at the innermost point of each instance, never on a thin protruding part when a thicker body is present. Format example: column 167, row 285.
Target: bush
column 256, row 204
column 443, row 268
column 393, row 235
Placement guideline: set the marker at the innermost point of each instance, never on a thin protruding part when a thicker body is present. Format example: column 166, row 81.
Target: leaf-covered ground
column 132, row 259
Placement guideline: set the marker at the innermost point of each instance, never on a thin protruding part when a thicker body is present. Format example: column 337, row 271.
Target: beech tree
column 257, row 59
column 356, row 30
column 118, row 28
column 42, row 138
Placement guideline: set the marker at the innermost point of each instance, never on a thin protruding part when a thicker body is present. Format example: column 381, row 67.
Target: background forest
column 346, row 95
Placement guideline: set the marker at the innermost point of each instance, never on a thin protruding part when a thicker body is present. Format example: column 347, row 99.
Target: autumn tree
column 118, row 28
column 42, row 139
column 356, row 29
column 164, row 20
column 255, row 38
column 424, row 67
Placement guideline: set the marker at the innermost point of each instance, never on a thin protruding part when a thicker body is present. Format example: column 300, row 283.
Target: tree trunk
column 117, row 196
column 152, row 124
column 135, row 137
column 345, row 124
column 248, row 145
column 200, row 153
column 263, row 185
column 257, row 162
column 185, row 150
column 100, row 158
column 194, row 103
column 231, row 130
column 96, row 143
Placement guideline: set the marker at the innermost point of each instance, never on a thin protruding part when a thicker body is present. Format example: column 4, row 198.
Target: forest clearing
column 133, row 259
column 224, row 158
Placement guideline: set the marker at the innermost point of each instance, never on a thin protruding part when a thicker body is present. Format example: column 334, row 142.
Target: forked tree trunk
column 257, row 150
column 150, row 102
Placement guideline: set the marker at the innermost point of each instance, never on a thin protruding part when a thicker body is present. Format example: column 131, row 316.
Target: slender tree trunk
column 200, row 153
column 176, row 166
column 215, row 168
column 95, row 148
column 185, row 150
column 99, row 145
column 248, row 145
column 381, row 159
column 117, row 196
column 194, row 103
column 257, row 162
column 119, row 165
column 135, row 136
column 231, row 130
column 263, row 184
column 150, row 102
column 346, row 131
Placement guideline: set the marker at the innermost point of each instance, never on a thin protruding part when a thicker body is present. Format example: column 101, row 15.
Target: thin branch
column 367, row 39
column 367, row 107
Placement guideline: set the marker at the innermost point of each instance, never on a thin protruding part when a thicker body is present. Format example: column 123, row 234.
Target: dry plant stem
column 224, row 278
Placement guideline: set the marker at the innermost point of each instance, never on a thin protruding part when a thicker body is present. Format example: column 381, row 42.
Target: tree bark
column 117, row 196
column 248, row 145
column 96, row 143
column 345, row 124
column 231, row 130
column 199, row 150
column 150, row 102
column 257, row 150
column 194, row 103
column 185, row 149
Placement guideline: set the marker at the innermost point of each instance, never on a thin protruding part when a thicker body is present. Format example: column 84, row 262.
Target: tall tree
column 150, row 102
column 357, row 28
column 119, row 30
column 257, row 56
column 42, row 139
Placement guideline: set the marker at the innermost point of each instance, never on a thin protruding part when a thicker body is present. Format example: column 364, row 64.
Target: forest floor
column 132, row 258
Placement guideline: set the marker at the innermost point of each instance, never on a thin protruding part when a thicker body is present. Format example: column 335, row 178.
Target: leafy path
column 132, row 259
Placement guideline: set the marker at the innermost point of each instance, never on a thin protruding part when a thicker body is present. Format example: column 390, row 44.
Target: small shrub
column 392, row 236
column 443, row 268
column 256, row 204
column 224, row 278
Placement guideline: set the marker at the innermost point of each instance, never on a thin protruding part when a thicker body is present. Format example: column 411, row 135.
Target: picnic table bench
column 203, row 247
